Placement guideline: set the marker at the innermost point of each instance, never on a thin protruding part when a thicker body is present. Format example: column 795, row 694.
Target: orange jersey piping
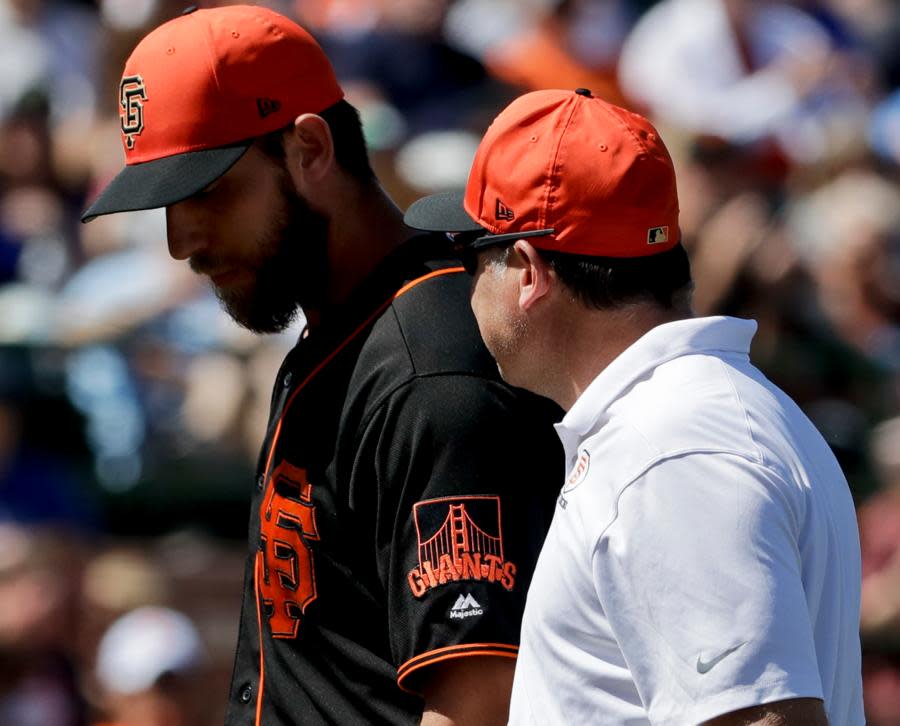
column 262, row 662
column 449, row 652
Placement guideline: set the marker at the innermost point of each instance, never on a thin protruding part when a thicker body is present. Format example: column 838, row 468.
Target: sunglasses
column 467, row 245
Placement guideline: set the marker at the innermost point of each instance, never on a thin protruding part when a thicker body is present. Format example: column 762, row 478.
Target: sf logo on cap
column 132, row 95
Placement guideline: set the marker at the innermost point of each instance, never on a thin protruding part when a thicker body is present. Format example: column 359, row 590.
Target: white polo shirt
column 704, row 554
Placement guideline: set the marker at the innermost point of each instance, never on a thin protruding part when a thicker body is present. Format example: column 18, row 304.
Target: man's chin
column 253, row 316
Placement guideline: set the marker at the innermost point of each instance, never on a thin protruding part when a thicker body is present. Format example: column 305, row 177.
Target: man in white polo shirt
column 703, row 561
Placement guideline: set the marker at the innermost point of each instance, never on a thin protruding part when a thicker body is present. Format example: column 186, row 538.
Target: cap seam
column 210, row 52
column 637, row 139
column 554, row 168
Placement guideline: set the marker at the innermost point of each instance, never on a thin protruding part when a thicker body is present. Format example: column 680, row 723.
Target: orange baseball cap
column 198, row 89
column 570, row 171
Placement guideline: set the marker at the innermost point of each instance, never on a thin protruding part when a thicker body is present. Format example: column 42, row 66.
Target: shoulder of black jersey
column 433, row 324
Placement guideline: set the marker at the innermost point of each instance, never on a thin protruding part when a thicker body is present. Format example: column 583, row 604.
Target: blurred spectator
column 880, row 538
column 879, row 529
column 150, row 664
column 884, row 128
column 42, row 477
column 50, row 44
column 875, row 24
column 391, row 56
column 745, row 71
column 848, row 234
column 184, row 572
column 553, row 44
column 39, row 573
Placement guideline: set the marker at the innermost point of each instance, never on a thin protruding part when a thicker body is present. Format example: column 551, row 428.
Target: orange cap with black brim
column 197, row 91
column 572, row 172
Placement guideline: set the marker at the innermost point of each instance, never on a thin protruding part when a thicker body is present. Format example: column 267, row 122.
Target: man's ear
column 535, row 274
column 309, row 152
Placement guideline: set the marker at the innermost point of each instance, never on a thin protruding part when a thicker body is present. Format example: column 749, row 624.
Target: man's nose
column 185, row 236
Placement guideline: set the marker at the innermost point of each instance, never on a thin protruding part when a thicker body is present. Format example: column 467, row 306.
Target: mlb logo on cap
column 658, row 235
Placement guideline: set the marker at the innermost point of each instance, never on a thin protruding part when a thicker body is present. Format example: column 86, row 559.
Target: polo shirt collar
column 718, row 334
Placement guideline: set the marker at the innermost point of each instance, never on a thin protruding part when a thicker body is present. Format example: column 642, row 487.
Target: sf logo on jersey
column 288, row 524
column 132, row 95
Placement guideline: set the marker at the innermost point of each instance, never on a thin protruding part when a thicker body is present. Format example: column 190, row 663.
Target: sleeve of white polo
column 699, row 575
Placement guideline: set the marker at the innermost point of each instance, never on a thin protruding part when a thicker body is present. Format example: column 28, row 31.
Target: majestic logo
column 657, row 235
column 459, row 539
column 466, row 606
column 287, row 525
column 132, row 96
column 267, row 106
column 501, row 211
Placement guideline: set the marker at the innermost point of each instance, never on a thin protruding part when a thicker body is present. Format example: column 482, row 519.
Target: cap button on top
column 584, row 92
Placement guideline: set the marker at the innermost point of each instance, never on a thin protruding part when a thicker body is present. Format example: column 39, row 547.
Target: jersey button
column 260, row 481
column 246, row 694
column 287, row 379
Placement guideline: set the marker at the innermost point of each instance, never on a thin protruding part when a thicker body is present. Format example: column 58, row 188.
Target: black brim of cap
column 442, row 212
column 165, row 181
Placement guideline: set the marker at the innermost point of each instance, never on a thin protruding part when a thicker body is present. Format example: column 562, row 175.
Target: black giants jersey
column 403, row 495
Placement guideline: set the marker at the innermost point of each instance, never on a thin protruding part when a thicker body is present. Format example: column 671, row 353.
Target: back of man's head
column 590, row 185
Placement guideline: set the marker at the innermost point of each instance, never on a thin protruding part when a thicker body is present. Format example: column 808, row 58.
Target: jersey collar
column 411, row 259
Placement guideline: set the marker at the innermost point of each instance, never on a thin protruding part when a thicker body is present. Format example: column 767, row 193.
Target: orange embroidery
column 459, row 539
column 287, row 524
column 579, row 471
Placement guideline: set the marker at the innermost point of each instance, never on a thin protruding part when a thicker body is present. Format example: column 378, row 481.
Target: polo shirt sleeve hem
column 464, row 650
column 757, row 694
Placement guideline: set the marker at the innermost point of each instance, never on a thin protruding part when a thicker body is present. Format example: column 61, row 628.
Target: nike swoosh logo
column 706, row 666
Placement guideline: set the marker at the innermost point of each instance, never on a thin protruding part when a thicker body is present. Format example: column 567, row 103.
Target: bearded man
column 403, row 489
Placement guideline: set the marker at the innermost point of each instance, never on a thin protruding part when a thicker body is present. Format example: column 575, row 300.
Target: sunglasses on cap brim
column 467, row 245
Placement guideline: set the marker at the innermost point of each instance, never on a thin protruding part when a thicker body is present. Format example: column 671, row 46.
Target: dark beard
column 292, row 272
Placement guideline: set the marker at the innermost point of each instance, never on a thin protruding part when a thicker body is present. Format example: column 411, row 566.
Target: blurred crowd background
column 131, row 408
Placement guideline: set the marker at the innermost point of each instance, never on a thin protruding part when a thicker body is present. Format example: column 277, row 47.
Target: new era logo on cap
column 501, row 211
column 266, row 106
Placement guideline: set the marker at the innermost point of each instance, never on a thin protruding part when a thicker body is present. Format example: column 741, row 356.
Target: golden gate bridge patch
column 460, row 539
